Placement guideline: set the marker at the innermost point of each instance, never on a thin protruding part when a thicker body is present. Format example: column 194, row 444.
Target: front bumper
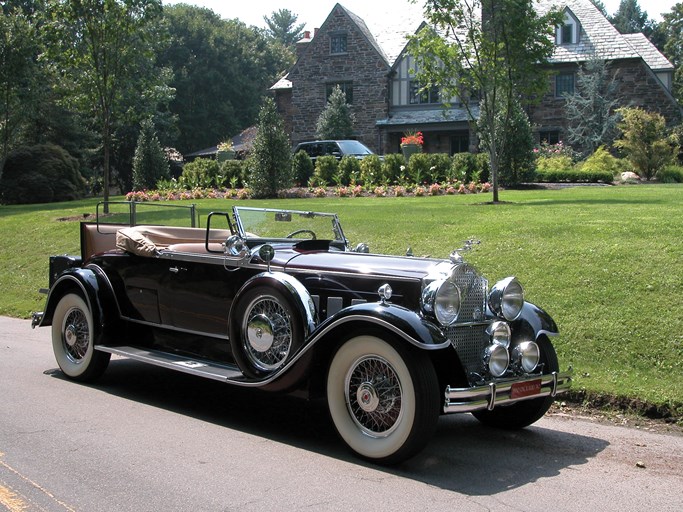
column 494, row 394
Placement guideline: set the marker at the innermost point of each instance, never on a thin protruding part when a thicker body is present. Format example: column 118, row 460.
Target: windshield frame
column 245, row 228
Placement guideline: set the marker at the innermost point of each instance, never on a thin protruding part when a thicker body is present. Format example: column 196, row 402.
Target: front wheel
column 383, row 399
column 73, row 340
column 523, row 414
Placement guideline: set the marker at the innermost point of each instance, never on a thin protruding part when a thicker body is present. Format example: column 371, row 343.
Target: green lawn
column 605, row 262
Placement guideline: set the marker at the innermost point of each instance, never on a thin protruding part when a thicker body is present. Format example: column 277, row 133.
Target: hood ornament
column 456, row 258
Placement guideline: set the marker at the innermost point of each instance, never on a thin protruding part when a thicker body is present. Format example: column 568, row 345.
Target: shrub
column 562, row 163
column 483, row 173
column 302, row 167
column 371, row 171
column 440, row 164
column 233, row 173
column 516, row 163
column 559, row 175
column 418, row 168
column 463, row 167
column 326, row 168
column 202, row 173
column 601, row 160
column 41, row 174
column 393, row 168
column 671, row 174
column 349, row 171
column 644, row 141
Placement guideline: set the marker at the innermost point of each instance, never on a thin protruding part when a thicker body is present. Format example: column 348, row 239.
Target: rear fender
column 93, row 286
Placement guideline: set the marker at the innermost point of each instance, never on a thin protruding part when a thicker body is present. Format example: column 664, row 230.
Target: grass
column 605, row 262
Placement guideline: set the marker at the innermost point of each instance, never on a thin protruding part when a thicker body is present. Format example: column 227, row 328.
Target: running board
column 179, row 363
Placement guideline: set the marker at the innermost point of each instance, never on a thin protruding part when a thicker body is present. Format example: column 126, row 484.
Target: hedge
column 573, row 176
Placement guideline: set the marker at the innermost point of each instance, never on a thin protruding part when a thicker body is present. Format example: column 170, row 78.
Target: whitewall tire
column 383, row 398
column 73, row 340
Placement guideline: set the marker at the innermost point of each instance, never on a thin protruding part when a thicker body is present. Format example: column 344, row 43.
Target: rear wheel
column 523, row 414
column 383, row 399
column 73, row 340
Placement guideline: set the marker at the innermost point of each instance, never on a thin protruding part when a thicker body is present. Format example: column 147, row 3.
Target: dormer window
column 569, row 31
column 337, row 43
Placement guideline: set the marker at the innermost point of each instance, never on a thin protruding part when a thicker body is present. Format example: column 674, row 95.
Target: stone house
column 374, row 69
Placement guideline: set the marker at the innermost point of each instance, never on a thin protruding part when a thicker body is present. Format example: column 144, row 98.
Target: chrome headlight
column 441, row 300
column 507, row 299
column 500, row 333
column 526, row 356
column 496, row 359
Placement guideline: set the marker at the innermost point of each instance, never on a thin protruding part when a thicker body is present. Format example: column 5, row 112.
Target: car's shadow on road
column 464, row 456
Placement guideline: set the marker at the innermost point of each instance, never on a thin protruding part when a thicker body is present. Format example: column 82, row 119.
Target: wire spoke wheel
column 267, row 333
column 73, row 340
column 383, row 398
column 374, row 396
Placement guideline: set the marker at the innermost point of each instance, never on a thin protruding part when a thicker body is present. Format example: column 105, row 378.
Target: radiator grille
column 470, row 341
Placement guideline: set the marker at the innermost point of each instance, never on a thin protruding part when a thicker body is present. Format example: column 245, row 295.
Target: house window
column 419, row 96
column 337, row 43
column 568, row 32
column 346, row 87
column 564, row 84
column 460, row 143
column 549, row 136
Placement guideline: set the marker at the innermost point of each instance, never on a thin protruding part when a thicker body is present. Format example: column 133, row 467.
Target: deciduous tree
column 498, row 57
column 105, row 47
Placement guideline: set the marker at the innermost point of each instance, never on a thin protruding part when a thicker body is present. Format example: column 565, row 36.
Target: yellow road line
column 13, row 500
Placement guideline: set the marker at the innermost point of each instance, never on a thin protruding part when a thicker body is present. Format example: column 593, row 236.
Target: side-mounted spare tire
column 267, row 327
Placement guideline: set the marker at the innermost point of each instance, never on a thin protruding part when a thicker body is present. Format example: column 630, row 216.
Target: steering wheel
column 299, row 231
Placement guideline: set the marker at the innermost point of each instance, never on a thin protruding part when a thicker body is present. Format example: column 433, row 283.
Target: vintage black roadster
column 278, row 300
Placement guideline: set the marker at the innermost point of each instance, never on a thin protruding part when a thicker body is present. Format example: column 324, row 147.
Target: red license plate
column 522, row 389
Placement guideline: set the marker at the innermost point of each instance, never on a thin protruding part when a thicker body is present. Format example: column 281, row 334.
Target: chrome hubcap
column 260, row 333
column 268, row 333
column 374, row 396
column 76, row 335
column 367, row 397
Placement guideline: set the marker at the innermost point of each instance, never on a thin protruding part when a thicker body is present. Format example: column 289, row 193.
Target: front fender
column 535, row 322
column 403, row 322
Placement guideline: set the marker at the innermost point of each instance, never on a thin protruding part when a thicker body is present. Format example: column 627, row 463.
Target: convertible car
column 278, row 300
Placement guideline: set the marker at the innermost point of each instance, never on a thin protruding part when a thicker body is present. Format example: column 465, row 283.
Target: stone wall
column 638, row 87
column 316, row 68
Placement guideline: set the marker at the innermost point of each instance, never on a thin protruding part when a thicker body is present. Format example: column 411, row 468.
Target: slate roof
column 429, row 116
column 650, row 54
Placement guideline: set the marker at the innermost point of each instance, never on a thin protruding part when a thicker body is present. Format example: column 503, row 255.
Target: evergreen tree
column 517, row 161
column 336, row 120
column 149, row 163
column 271, row 161
column 591, row 110
column 283, row 28
column 672, row 27
column 630, row 19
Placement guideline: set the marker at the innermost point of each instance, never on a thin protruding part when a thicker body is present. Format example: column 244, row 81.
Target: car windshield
column 284, row 224
column 353, row 147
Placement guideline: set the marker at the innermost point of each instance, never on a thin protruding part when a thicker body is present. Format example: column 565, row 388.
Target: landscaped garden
column 603, row 260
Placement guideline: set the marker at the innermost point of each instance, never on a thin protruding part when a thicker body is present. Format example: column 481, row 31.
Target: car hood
column 356, row 263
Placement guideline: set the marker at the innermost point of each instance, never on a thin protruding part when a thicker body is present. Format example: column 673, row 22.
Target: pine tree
column 591, row 110
column 149, row 163
column 271, row 162
column 336, row 120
